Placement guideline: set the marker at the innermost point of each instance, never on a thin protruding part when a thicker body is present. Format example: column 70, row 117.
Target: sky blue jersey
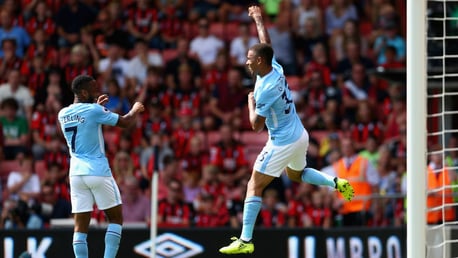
column 81, row 124
column 274, row 102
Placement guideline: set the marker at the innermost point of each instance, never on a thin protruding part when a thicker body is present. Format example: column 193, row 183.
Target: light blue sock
column 313, row 176
column 250, row 213
column 112, row 239
column 80, row 245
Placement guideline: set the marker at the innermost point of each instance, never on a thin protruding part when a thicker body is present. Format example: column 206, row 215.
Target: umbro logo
column 169, row 245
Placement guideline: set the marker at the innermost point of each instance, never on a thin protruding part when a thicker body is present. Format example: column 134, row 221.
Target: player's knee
column 294, row 175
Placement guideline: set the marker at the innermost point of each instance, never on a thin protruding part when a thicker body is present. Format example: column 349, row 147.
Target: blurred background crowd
column 185, row 60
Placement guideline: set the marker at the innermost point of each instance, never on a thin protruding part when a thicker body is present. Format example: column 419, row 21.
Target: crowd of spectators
column 185, row 61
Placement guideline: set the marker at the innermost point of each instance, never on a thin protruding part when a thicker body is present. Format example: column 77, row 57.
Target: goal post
column 416, row 128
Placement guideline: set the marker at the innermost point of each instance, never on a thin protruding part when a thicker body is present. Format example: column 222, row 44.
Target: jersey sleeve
column 265, row 99
column 104, row 116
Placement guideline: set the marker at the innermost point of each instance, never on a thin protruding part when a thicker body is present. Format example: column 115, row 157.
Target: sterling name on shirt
column 72, row 118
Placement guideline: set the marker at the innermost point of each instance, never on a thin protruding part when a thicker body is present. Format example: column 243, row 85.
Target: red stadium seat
column 169, row 54
column 6, row 167
column 217, row 29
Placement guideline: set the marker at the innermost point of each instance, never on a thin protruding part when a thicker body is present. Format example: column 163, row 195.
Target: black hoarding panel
column 204, row 243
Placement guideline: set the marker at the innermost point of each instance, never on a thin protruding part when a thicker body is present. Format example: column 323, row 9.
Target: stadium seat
column 231, row 31
column 6, row 167
column 217, row 29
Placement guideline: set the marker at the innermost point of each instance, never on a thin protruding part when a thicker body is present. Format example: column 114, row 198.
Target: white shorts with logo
column 274, row 159
column 87, row 190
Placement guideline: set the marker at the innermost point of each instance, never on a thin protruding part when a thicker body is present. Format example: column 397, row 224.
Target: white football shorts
column 274, row 159
column 87, row 190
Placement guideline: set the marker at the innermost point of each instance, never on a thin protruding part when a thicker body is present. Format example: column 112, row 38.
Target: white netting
column 442, row 121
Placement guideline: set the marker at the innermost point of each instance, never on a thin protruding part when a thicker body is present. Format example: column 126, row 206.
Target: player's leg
column 82, row 203
column 251, row 208
column 296, row 171
column 108, row 198
column 114, row 229
column 269, row 164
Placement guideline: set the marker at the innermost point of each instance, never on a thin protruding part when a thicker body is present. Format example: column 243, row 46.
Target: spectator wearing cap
column 10, row 31
column 183, row 132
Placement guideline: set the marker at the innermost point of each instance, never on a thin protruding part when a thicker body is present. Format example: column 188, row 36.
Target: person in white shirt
column 21, row 93
column 138, row 65
column 241, row 44
column 23, row 184
column 114, row 65
column 206, row 46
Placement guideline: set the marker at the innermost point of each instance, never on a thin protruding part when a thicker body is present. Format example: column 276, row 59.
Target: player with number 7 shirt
column 271, row 105
column 91, row 180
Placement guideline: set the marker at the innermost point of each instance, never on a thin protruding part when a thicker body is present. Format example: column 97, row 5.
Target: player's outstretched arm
column 129, row 118
column 256, row 13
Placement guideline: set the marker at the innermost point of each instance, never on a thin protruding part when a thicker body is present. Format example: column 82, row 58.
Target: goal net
column 442, row 129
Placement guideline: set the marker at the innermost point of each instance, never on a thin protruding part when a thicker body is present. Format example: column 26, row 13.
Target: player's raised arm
column 129, row 118
column 256, row 13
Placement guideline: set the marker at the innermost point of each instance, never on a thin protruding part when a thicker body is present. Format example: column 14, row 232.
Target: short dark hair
column 11, row 103
column 81, row 82
column 265, row 51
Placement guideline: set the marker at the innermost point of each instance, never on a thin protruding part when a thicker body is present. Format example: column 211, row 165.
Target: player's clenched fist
column 138, row 107
column 254, row 11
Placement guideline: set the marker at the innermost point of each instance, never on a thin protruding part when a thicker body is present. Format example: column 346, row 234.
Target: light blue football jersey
column 274, row 102
column 81, row 124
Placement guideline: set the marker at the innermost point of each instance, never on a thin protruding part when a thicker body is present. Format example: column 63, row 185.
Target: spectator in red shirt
column 79, row 64
column 318, row 214
column 187, row 95
column 41, row 46
column 10, row 60
column 356, row 89
column 153, row 90
column 40, row 19
column 183, row 133
column 297, row 207
column 273, row 212
column 365, row 126
column 210, row 215
column 44, row 121
column 172, row 210
column 56, row 153
column 142, row 22
column 35, row 74
column 229, row 156
column 56, row 177
column 192, row 165
column 228, row 100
